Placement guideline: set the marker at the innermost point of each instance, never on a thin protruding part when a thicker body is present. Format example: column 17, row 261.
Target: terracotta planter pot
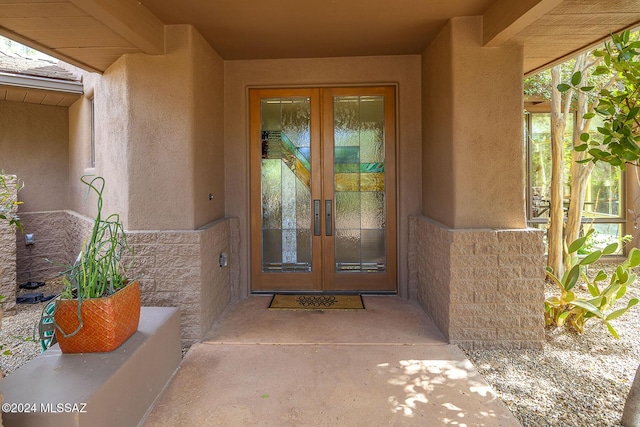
column 106, row 322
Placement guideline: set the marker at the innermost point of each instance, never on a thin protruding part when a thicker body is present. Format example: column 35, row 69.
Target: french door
column 323, row 189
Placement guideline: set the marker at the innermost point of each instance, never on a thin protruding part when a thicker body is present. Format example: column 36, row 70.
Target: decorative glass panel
column 360, row 216
column 285, row 185
column 347, row 121
column 348, row 250
column 347, row 211
column 372, row 205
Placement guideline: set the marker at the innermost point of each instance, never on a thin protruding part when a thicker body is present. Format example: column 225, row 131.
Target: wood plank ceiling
column 573, row 26
column 92, row 34
column 82, row 32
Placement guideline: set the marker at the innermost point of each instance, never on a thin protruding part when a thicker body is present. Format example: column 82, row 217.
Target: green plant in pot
column 99, row 307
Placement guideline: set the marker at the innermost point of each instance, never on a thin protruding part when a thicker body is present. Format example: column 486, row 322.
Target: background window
column 603, row 207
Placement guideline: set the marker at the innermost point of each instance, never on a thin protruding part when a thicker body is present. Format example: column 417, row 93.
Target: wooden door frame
column 343, row 282
column 260, row 281
column 346, row 281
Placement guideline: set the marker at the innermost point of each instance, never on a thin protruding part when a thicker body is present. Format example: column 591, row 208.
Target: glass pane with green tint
column 360, row 214
column 285, row 184
column 372, row 129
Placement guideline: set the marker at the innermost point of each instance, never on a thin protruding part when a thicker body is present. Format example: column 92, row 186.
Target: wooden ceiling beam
column 506, row 18
column 129, row 19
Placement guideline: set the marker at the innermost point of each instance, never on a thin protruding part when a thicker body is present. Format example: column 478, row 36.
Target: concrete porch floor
column 386, row 365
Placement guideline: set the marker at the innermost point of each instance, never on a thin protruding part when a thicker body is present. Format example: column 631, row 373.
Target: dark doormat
column 316, row 302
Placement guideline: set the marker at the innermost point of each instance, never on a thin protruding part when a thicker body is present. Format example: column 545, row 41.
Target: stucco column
column 474, row 267
column 159, row 133
column 473, row 169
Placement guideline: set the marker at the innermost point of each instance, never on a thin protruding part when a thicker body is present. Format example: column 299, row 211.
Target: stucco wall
column 34, row 146
column 159, row 145
column 159, row 135
column 208, row 136
column 80, row 123
column 472, row 121
column 437, row 117
column 175, row 147
column 403, row 70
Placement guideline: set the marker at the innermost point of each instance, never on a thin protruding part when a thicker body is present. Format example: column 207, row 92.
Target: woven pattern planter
column 106, row 322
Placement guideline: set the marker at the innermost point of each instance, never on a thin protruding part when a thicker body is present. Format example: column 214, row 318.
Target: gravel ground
column 576, row 380
column 17, row 332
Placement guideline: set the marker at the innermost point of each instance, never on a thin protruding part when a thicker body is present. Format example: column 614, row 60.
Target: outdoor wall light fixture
column 223, row 261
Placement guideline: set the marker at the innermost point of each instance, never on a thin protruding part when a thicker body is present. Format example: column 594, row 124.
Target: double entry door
column 323, row 189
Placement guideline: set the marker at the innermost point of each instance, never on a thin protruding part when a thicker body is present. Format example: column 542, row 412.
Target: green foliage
column 538, row 85
column 8, row 204
column 99, row 270
column 619, row 105
column 587, row 247
column 569, row 309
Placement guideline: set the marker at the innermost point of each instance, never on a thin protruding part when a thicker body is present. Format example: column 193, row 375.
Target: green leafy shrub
column 8, row 204
column 619, row 104
column 569, row 309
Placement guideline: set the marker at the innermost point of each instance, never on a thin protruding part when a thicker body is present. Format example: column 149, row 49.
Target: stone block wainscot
column 483, row 288
column 8, row 256
column 176, row 268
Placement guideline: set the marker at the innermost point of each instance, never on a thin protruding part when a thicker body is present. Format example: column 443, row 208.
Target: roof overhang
column 92, row 34
column 39, row 90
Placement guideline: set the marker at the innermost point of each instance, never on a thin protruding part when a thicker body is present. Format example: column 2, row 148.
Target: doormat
column 316, row 302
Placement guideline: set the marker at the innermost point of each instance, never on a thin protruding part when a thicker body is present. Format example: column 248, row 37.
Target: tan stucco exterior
column 159, row 136
column 172, row 129
column 34, row 146
column 472, row 123
column 401, row 70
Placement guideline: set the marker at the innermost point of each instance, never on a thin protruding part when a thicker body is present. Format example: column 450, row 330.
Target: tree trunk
column 556, row 214
column 579, row 178
column 580, row 172
column 631, row 414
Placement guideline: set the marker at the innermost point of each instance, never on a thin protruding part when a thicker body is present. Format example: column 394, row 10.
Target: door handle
column 316, row 217
column 328, row 210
